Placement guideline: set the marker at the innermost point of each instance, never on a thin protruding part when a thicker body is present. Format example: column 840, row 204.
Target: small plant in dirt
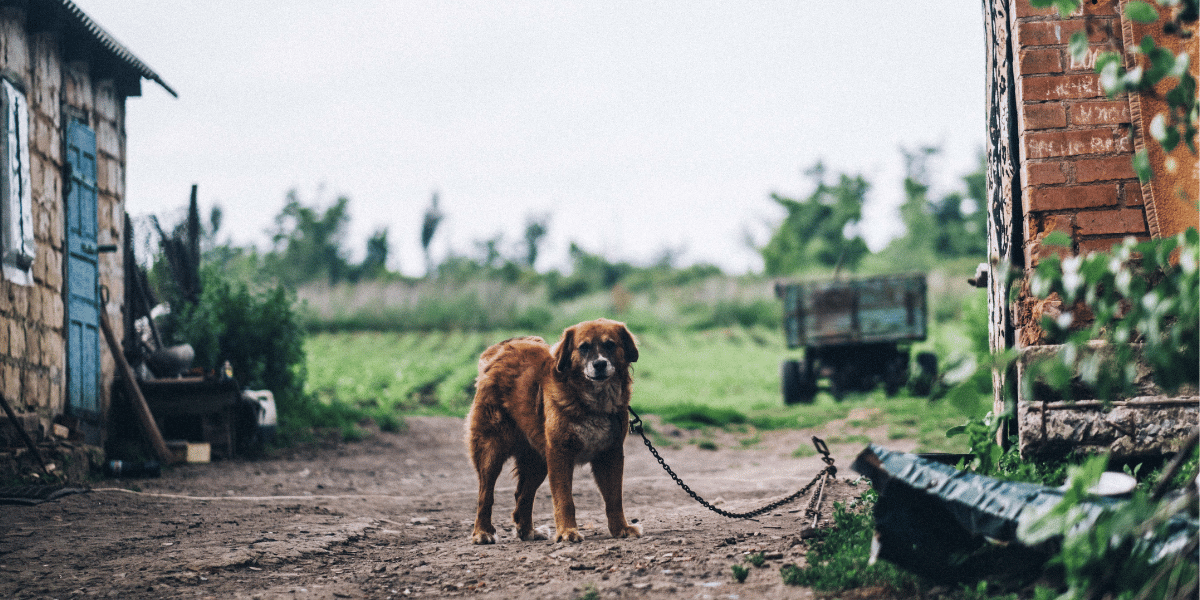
column 389, row 422
column 992, row 460
column 757, row 559
column 839, row 561
column 706, row 445
column 589, row 593
column 739, row 573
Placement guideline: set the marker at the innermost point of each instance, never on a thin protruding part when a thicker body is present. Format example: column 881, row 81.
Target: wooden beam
column 145, row 417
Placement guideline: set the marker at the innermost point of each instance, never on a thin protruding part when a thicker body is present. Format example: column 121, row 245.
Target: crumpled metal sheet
column 953, row 525
column 981, row 505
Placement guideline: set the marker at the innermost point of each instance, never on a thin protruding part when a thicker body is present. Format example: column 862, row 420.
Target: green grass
column 721, row 378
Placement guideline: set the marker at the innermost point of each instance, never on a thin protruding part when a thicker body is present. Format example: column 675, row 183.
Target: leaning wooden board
column 135, row 394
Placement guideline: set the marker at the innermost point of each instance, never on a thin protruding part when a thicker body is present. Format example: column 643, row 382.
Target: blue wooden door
column 82, row 293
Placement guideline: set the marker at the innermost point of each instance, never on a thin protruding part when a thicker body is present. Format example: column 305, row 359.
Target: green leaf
column 956, row 430
column 1110, row 75
column 1141, row 12
column 1078, row 46
column 1147, row 45
column 1141, row 165
column 1065, row 7
column 1057, row 238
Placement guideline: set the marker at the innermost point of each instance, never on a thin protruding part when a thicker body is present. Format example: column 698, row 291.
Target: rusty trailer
column 855, row 332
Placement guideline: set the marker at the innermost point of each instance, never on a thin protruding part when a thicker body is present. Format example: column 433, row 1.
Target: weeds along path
column 390, row 516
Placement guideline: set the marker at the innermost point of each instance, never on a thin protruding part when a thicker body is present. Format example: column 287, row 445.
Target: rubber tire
column 797, row 383
column 895, row 374
column 928, row 363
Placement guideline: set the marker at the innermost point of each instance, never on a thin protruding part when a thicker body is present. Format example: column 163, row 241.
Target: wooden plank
column 145, row 417
column 1002, row 185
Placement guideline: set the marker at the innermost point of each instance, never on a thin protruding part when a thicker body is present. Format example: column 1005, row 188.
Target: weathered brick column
column 1076, row 148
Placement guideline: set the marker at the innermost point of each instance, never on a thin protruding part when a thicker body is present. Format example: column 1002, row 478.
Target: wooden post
column 135, row 393
column 1003, row 188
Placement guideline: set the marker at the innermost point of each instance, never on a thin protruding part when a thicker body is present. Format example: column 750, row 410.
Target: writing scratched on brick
column 1060, row 146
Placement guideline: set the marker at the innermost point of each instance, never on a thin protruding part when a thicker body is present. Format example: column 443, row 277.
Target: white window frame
column 17, row 248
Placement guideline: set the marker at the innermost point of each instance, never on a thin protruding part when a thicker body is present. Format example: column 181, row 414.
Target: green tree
column 308, row 242
column 429, row 225
column 820, row 229
column 536, row 227
column 374, row 264
column 952, row 227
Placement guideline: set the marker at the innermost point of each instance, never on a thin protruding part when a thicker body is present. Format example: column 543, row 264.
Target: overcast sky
column 637, row 126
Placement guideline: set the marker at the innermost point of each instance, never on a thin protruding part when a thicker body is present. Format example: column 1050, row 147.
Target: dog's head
column 597, row 350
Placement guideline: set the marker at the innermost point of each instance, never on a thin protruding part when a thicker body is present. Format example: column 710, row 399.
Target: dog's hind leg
column 531, row 472
column 488, row 464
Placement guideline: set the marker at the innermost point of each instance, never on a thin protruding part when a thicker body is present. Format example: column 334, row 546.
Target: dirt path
column 390, row 517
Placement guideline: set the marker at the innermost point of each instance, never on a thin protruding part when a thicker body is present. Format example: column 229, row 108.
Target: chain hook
column 635, row 425
column 819, row 444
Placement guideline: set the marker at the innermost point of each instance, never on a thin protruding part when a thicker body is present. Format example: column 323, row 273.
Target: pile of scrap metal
column 950, row 525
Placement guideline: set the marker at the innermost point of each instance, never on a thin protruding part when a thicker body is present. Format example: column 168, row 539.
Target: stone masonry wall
column 32, row 318
column 1076, row 148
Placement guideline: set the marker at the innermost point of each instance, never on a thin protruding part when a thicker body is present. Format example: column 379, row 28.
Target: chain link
column 635, row 426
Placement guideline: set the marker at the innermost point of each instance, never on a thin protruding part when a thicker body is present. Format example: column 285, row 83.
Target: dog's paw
column 532, row 534
column 571, row 535
column 483, row 537
column 628, row 531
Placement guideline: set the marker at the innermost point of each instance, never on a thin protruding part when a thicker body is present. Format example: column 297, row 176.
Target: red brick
column 1133, row 194
column 1091, row 7
column 1025, row 9
column 1112, row 222
column 1104, row 169
column 1058, row 33
column 1087, row 62
column 1044, row 173
column 1052, row 144
column 1115, row 112
column 1105, row 244
column 1045, row 116
column 1073, row 197
column 1061, row 87
column 1041, row 60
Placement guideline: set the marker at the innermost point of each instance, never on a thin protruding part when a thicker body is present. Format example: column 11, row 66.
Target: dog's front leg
column 562, row 468
column 608, row 469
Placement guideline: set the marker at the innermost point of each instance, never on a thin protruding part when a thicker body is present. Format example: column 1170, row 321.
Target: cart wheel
column 799, row 387
column 895, row 373
column 927, row 362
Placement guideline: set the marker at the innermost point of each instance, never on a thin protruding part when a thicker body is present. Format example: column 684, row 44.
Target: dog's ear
column 562, row 351
column 629, row 344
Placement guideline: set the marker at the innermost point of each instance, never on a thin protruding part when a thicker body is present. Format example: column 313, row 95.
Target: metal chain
column 635, row 426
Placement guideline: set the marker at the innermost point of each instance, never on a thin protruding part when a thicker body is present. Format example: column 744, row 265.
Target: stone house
column 1060, row 158
column 63, row 85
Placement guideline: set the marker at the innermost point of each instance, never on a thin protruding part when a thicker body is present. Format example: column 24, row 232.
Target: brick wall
column 1076, row 149
column 32, row 317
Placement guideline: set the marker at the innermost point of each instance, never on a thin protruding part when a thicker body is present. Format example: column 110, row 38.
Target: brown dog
column 552, row 408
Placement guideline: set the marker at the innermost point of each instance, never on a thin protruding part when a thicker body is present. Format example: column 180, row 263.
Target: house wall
column 1075, row 144
column 32, row 317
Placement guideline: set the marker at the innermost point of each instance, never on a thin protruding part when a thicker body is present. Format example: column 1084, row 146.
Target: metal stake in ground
column 635, row 426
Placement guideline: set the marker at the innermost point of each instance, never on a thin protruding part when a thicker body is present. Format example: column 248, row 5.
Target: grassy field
column 718, row 377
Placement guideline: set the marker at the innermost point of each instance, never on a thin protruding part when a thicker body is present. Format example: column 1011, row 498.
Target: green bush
column 258, row 333
column 1144, row 293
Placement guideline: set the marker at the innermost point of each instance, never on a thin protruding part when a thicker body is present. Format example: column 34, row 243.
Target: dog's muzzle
column 599, row 370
